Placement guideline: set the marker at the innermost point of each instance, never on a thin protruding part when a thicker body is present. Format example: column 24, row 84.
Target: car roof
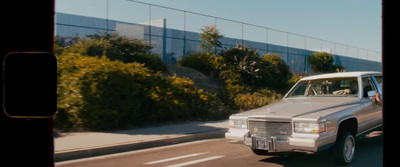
column 341, row 74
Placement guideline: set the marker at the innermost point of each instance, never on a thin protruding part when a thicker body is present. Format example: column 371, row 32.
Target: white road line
column 175, row 158
column 131, row 153
column 196, row 161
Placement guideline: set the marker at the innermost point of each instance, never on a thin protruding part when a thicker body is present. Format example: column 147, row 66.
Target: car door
column 378, row 82
column 370, row 114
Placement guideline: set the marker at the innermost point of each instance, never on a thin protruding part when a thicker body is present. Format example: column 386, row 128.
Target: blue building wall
column 172, row 44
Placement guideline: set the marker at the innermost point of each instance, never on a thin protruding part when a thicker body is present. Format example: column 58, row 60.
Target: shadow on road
column 369, row 152
column 187, row 128
column 192, row 127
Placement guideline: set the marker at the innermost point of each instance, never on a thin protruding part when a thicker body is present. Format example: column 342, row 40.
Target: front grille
column 264, row 129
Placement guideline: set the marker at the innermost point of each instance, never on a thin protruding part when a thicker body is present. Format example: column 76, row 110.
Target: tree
column 243, row 60
column 210, row 36
column 321, row 62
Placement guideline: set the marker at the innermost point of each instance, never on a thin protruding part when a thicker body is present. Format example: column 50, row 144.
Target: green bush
column 201, row 104
column 259, row 98
column 321, row 62
column 251, row 81
column 114, row 99
column 202, row 62
column 275, row 72
column 110, row 82
column 268, row 71
column 245, row 75
column 96, row 93
column 293, row 80
column 246, row 62
column 121, row 48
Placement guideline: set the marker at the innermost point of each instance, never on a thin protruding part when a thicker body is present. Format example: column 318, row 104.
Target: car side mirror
column 371, row 93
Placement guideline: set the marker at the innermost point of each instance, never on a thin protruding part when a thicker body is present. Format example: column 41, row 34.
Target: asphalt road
column 217, row 152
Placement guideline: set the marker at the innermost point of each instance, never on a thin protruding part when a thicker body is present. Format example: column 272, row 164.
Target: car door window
column 368, row 85
column 379, row 80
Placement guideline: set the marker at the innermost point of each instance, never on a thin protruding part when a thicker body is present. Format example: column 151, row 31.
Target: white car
column 318, row 113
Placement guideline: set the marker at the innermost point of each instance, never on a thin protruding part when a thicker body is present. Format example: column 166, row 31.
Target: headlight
column 309, row 127
column 238, row 123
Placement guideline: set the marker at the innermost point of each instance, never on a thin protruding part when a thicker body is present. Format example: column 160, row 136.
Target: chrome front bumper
column 274, row 144
column 309, row 142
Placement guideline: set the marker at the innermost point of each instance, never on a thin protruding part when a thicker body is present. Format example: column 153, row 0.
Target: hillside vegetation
column 99, row 89
column 109, row 82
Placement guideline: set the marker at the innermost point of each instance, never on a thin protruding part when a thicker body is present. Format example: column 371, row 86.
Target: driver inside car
column 353, row 89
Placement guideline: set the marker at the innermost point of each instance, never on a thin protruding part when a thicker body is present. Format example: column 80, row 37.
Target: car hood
column 294, row 107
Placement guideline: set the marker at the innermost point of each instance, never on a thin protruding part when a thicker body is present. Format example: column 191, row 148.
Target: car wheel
column 345, row 148
column 260, row 152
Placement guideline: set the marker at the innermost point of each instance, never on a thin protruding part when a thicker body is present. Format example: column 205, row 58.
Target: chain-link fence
column 175, row 33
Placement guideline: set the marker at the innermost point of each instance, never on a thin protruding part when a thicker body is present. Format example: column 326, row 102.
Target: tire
column 345, row 148
column 260, row 152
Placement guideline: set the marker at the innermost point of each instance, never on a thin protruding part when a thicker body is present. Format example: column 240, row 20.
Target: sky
column 356, row 23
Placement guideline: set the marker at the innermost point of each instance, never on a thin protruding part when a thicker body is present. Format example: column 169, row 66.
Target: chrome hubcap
column 349, row 147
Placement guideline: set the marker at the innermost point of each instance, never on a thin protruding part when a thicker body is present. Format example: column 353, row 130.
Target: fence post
column 287, row 49
column 266, row 39
column 150, row 23
column 107, row 17
column 164, row 44
column 184, row 33
column 242, row 34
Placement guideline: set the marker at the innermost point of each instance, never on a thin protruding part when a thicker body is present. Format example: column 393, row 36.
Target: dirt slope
column 200, row 80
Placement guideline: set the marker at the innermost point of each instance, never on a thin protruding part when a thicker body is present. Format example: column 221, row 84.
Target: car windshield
column 330, row 87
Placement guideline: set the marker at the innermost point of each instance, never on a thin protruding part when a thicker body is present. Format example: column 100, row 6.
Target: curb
column 118, row 148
